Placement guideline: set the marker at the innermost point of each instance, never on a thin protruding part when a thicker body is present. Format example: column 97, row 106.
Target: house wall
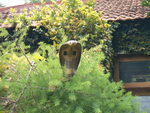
column 132, row 37
column 131, row 41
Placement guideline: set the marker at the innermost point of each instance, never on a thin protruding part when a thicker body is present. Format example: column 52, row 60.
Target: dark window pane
column 135, row 71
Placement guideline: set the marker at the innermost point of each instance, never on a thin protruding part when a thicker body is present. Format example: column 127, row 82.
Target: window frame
column 137, row 88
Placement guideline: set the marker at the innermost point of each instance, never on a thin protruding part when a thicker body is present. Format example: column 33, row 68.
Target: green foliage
column 72, row 19
column 132, row 37
column 146, row 3
column 50, row 23
column 36, row 1
column 35, row 83
column 46, row 89
column 3, row 32
column 3, row 68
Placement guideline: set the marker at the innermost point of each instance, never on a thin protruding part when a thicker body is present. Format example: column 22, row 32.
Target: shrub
column 73, row 19
column 35, row 83
column 50, row 23
column 42, row 87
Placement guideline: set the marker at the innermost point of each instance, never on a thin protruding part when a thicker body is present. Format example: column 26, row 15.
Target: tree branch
column 13, row 109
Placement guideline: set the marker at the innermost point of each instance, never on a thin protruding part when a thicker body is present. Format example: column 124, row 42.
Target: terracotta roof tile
column 121, row 9
column 5, row 12
column 112, row 9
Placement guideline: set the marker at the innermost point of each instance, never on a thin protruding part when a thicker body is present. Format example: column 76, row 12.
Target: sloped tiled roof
column 5, row 12
column 122, row 9
column 112, row 9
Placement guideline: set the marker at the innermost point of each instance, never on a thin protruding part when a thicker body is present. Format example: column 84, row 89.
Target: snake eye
column 65, row 53
column 74, row 53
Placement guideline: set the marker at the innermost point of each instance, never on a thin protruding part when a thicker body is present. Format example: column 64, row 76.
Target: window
column 134, row 71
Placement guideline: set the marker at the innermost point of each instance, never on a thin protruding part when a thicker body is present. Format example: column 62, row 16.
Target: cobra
column 69, row 56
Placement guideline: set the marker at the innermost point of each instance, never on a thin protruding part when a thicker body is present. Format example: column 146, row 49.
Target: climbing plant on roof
column 146, row 3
